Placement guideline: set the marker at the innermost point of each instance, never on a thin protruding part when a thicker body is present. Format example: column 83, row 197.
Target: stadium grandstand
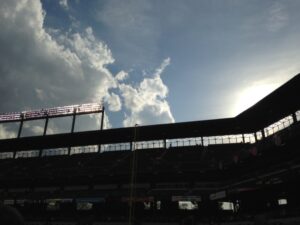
column 231, row 171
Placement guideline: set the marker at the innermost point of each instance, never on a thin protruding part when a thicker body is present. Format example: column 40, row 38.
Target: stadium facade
column 240, row 170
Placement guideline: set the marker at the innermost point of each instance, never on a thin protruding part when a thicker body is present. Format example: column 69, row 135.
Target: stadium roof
column 280, row 103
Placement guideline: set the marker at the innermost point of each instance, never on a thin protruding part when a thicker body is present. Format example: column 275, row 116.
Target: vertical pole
column 255, row 136
column 19, row 133
column 102, row 119
column 21, row 125
column 243, row 138
column 133, row 173
column 46, row 126
column 73, row 127
column 101, row 126
column 263, row 134
column 44, row 133
column 165, row 143
column 73, row 121
column 294, row 118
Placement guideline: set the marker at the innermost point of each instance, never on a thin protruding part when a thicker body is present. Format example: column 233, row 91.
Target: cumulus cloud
column 114, row 102
column 122, row 75
column 45, row 69
column 147, row 103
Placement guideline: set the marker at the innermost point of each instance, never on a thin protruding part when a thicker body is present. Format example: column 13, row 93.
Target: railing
column 298, row 115
column 51, row 112
column 279, row 125
column 84, row 149
column 115, row 147
column 27, row 154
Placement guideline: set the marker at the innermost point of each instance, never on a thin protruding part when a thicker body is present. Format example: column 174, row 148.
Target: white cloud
column 5, row 133
column 156, row 113
column 45, row 69
column 146, row 102
column 64, row 4
column 162, row 67
column 106, row 122
column 114, row 102
column 122, row 75
column 38, row 130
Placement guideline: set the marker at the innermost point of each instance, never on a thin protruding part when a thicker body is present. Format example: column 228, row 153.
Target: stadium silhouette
column 241, row 170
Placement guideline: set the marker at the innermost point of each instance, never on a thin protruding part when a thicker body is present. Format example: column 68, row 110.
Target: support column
column 243, row 136
column 101, row 126
column 21, row 125
column 46, row 126
column 131, row 146
column 73, row 127
column 102, row 119
column 165, row 143
column 73, row 121
column 263, row 134
column 255, row 136
column 294, row 118
column 44, row 133
column 19, row 133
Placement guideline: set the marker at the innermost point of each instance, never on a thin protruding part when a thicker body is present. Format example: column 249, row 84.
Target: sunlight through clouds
column 252, row 95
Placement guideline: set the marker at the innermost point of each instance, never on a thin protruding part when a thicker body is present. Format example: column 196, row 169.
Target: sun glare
column 249, row 96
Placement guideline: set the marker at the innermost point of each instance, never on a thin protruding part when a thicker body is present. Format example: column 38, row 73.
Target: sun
column 251, row 95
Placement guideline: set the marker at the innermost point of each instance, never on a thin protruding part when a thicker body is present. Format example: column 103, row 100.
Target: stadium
column 240, row 170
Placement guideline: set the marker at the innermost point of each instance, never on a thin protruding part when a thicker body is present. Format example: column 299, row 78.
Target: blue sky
column 150, row 62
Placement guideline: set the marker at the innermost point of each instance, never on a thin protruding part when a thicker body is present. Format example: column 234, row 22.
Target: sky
column 147, row 62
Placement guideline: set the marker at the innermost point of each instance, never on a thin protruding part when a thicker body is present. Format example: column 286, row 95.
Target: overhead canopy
column 280, row 103
column 122, row 135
